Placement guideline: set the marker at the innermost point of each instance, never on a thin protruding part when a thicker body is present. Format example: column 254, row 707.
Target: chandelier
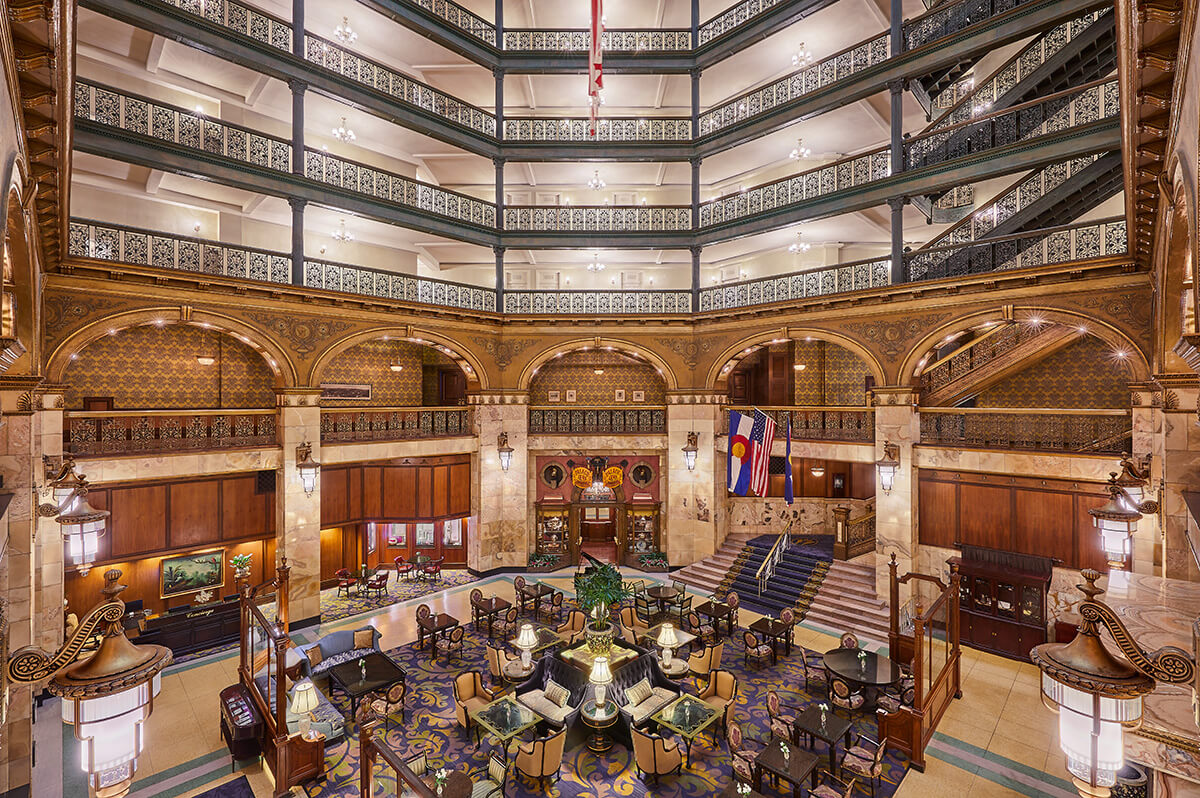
column 800, row 151
column 799, row 245
column 344, row 33
column 343, row 133
column 595, row 184
column 595, row 265
column 802, row 57
column 341, row 233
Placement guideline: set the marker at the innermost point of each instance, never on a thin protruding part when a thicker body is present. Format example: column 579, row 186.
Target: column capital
column 297, row 203
column 499, row 398
column 698, row 397
column 896, row 396
column 498, row 163
column 297, row 397
column 297, row 86
column 696, row 251
column 896, row 85
column 897, row 203
column 498, row 73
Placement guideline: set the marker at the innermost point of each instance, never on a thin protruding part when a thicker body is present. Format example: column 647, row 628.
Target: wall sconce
column 690, row 449
column 1134, row 480
column 307, row 467
column 817, row 471
column 81, row 524
column 1117, row 519
column 887, row 466
column 504, row 450
column 106, row 697
column 1097, row 695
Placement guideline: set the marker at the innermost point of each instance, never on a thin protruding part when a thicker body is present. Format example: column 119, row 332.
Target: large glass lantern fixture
column 887, row 466
column 1116, row 520
column 504, row 451
column 80, row 522
column 690, row 449
column 307, row 467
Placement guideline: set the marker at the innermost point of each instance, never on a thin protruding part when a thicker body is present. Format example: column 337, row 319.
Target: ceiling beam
column 154, row 55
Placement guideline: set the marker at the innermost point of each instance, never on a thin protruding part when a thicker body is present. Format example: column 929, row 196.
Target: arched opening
column 395, row 372
column 808, row 372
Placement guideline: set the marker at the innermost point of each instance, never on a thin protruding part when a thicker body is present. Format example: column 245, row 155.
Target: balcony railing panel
column 460, row 18
column 148, row 117
column 138, row 431
column 241, row 19
column 978, row 354
column 1097, row 431
column 655, row 40
column 650, row 129
column 89, row 239
column 332, row 276
column 598, row 218
column 597, row 302
column 855, row 276
column 346, row 425
column 847, row 424
column 381, row 184
column 386, row 80
column 597, row 420
column 733, row 18
column 1028, row 250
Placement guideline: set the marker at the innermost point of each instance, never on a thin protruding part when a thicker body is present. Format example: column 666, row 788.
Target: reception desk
column 193, row 629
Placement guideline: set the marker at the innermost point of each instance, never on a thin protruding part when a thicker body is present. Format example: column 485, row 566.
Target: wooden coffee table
column 794, row 769
column 458, row 784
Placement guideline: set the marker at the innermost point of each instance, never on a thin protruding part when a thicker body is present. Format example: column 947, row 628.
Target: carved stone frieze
column 893, row 338
column 503, row 352
column 304, row 334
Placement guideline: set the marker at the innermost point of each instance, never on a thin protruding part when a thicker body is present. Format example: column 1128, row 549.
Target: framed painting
column 191, row 573
column 553, row 396
column 619, row 395
column 570, row 396
column 639, row 396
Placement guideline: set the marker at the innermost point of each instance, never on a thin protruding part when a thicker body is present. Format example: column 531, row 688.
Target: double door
column 595, row 525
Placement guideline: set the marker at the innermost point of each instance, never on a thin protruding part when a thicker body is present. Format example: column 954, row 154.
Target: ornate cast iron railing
column 635, row 419
column 977, row 353
column 332, row 276
column 459, row 17
column 598, row 302
column 843, row 277
column 852, row 538
column 396, row 85
column 381, row 184
column 1082, row 431
column 850, row 424
column 651, row 40
column 242, row 19
column 119, row 244
column 732, row 18
column 575, row 129
column 108, row 106
column 598, row 218
column 345, row 425
column 1044, row 247
column 136, row 431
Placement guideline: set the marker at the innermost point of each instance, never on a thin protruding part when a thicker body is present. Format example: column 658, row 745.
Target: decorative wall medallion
column 892, row 339
column 304, row 334
column 63, row 311
column 688, row 350
column 503, row 352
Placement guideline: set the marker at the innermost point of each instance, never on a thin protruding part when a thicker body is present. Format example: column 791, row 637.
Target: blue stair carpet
column 797, row 577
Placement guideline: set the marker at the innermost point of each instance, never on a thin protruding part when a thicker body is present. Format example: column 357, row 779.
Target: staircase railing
column 767, row 569
column 852, row 538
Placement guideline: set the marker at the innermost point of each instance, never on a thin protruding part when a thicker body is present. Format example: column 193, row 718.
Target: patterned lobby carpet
column 430, row 726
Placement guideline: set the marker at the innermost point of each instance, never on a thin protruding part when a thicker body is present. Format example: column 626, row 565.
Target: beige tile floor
column 1000, row 710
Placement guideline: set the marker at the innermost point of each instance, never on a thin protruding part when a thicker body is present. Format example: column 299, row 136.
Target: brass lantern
column 307, row 467
column 504, row 451
column 1116, row 520
column 887, row 466
column 690, row 449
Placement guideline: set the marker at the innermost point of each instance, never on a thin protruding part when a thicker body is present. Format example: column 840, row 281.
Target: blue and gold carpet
column 430, row 726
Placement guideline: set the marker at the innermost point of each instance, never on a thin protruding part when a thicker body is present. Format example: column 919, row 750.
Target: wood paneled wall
column 1047, row 517
column 858, row 480
column 412, row 489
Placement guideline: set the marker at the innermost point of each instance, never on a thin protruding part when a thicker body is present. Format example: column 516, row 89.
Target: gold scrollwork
column 32, row 664
column 1168, row 664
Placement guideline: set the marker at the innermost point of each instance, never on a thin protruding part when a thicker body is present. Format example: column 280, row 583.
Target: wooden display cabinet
column 642, row 534
column 1002, row 600
column 552, row 532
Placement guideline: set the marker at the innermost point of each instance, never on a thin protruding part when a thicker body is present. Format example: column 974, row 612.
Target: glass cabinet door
column 964, row 592
column 1006, row 599
column 983, row 594
column 1031, row 605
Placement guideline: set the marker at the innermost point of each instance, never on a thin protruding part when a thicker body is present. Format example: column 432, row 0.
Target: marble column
column 298, row 514
column 897, row 421
column 1148, row 440
column 1178, row 450
column 47, row 441
column 693, row 500
column 501, row 537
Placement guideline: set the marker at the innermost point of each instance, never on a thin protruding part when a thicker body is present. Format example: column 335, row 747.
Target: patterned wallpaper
column 1083, row 374
column 369, row 363
column 155, row 368
column 839, row 371
column 575, row 371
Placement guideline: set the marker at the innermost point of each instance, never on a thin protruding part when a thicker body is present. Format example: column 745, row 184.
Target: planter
column 599, row 641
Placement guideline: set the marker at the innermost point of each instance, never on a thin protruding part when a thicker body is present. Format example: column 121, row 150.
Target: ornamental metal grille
column 597, row 420
column 597, row 302
column 567, row 41
column 458, row 17
column 734, row 17
column 1100, row 431
column 241, row 19
column 91, row 434
column 575, row 129
column 394, row 424
column 856, row 276
column 605, row 218
column 389, row 285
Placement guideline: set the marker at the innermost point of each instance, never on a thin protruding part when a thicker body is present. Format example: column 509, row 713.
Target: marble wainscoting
column 184, row 464
column 388, row 450
column 1026, row 464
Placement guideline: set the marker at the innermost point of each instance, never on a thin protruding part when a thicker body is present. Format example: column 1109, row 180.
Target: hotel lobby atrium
column 597, row 398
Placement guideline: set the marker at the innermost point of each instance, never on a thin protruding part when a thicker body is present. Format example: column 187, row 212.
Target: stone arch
column 466, row 359
column 1137, row 365
column 276, row 357
column 579, row 344
column 22, row 269
column 1179, row 259
column 724, row 362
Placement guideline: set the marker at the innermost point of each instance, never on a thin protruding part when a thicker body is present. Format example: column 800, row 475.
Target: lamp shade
column 526, row 638
column 304, row 698
column 600, row 671
column 667, row 637
column 690, row 449
column 82, row 527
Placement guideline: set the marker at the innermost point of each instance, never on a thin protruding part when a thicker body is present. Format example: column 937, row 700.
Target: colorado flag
column 738, row 466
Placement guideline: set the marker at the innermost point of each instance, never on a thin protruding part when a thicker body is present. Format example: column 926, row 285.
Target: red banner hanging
column 595, row 65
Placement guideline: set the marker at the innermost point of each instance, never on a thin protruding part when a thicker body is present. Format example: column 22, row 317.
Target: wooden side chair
column 453, row 644
column 757, row 649
column 830, row 786
column 489, row 781
column 389, row 701
column 865, row 759
column 345, row 581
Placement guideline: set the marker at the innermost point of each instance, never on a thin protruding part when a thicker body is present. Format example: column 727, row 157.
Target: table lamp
column 668, row 640
column 526, row 641
column 601, row 677
column 304, row 701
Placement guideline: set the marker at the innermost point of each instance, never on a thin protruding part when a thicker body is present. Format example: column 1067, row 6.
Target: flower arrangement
column 240, row 561
column 542, row 560
column 655, row 560
column 439, row 779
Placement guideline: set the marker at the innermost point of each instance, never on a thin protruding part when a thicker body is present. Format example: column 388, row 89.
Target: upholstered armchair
column 469, row 696
column 497, row 658
column 345, row 581
column 654, row 755
column 423, row 614
column 403, row 569
column 841, row 694
column 892, row 699
column 518, row 588
column 540, row 758
column 643, row 609
column 378, row 583
column 734, row 601
column 756, row 648
column 701, row 628
column 741, row 756
column 476, row 617
column 556, row 605
column 433, row 568
column 389, row 701
column 703, row 662
column 506, row 625
column 720, row 693
column 865, row 759
column 453, row 644
column 633, row 622
column 788, row 616
column 783, row 722
column 489, row 782
column 572, row 630
column 830, row 786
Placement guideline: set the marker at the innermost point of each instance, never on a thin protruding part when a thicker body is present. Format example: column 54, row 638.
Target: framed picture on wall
column 452, row 531
column 570, row 396
column 424, row 535
column 191, row 573
column 619, row 395
column 553, row 396
column 332, row 390
column 639, row 396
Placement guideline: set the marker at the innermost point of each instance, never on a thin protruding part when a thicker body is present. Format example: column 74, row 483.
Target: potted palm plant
column 597, row 591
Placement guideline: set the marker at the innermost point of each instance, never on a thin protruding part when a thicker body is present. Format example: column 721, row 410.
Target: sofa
column 663, row 690
column 326, row 718
column 532, row 692
column 336, row 648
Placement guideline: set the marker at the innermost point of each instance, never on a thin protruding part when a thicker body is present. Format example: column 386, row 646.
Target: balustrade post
column 696, row 279
column 899, row 274
column 297, row 239
column 841, row 531
column 499, row 252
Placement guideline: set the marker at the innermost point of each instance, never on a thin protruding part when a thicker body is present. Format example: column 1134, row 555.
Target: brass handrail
column 773, row 556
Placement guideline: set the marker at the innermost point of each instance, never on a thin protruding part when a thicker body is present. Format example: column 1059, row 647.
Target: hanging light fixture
column 341, row 234
column 1134, row 480
column 887, row 466
column 596, row 265
column 343, row 133
column 690, row 449
column 1116, row 520
column 802, row 57
column 307, row 467
column 107, row 697
column 504, row 451
column 81, row 524
column 595, row 184
column 799, row 151
column 344, row 33
column 799, row 245
column 1098, row 695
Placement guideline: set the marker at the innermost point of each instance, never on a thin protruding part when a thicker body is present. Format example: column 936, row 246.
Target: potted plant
column 597, row 591
column 241, row 565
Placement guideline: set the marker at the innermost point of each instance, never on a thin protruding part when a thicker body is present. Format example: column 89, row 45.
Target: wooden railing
column 344, row 425
column 852, row 424
column 1098, row 431
column 634, row 419
column 136, row 431
column 852, row 538
column 371, row 749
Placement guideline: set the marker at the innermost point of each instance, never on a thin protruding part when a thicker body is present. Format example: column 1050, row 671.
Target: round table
column 662, row 594
column 514, row 671
column 599, row 719
column 458, row 785
column 872, row 673
column 677, row 669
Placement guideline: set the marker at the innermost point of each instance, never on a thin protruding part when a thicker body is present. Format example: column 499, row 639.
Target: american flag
column 762, row 433
column 595, row 64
